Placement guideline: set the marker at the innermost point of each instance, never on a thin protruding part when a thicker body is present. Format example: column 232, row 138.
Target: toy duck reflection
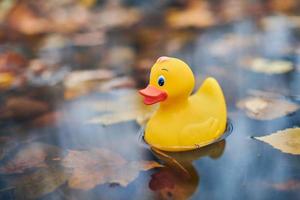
column 182, row 122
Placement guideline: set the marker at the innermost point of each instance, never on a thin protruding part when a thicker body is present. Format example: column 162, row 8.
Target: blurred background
column 70, row 70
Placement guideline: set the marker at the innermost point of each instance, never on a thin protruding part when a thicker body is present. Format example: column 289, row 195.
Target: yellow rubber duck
column 182, row 122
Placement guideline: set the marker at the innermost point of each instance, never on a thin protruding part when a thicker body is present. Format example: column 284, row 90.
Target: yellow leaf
column 265, row 108
column 87, row 3
column 197, row 14
column 266, row 66
column 6, row 80
column 287, row 141
column 127, row 107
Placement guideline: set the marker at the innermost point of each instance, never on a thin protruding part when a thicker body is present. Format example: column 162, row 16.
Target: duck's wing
column 212, row 103
column 200, row 133
column 211, row 87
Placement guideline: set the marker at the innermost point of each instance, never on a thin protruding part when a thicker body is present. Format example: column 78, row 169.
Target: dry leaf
column 32, row 155
column 113, row 14
column 47, row 119
column 287, row 186
column 78, row 83
column 23, row 108
column 23, row 19
column 115, row 111
column 266, row 66
column 40, row 182
column 264, row 108
column 197, row 14
column 231, row 43
column 12, row 62
column 6, row 80
column 98, row 166
column 287, row 141
column 168, row 184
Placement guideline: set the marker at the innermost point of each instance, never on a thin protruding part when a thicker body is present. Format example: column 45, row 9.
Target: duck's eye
column 161, row 80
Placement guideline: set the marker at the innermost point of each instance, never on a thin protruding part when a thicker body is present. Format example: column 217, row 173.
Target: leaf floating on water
column 287, row 186
column 98, row 166
column 198, row 14
column 264, row 108
column 31, row 156
column 23, row 108
column 266, row 66
column 82, row 82
column 287, row 141
column 40, row 183
column 126, row 108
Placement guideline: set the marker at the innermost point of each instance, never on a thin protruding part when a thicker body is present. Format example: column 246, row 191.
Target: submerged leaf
column 287, row 186
column 98, row 166
column 287, row 141
column 40, row 182
column 264, row 108
column 31, row 156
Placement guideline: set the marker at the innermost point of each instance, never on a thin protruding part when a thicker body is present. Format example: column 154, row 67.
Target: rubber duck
column 182, row 121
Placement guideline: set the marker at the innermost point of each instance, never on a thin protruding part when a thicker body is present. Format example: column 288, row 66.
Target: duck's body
column 184, row 122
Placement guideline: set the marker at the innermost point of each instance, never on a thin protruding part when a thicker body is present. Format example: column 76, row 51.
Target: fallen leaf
column 266, row 66
column 39, row 183
column 38, row 18
column 168, row 184
column 264, row 108
column 231, row 43
column 98, row 166
column 6, row 80
column 287, row 141
column 197, row 14
column 23, row 108
column 12, row 62
column 23, row 19
column 31, row 156
column 6, row 145
column 117, row 83
column 5, row 7
column 113, row 14
column 287, row 186
column 47, row 119
column 115, row 111
column 79, row 83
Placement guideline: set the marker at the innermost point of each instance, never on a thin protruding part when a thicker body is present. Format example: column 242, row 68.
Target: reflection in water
column 179, row 180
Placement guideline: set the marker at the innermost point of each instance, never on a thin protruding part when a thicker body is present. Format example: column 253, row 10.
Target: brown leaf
column 12, row 62
column 287, row 141
column 168, row 184
column 287, row 186
column 31, row 156
column 47, row 119
column 98, row 166
column 23, row 19
column 113, row 14
column 197, row 14
column 6, row 145
column 23, row 108
column 264, row 108
column 40, row 182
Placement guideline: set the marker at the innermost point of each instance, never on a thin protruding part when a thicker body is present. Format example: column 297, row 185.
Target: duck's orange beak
column 153, row 95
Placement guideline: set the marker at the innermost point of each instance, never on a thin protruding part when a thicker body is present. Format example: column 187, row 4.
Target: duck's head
column 171, row 80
